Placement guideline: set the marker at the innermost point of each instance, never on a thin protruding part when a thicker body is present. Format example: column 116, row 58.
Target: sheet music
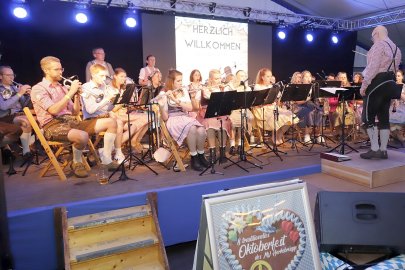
column 333, row 90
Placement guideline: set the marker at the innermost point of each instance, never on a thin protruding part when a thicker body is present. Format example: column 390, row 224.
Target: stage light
column 309, row 37
column 81, row 17
column 246, row 11
column 20, row 9
column 20, row 12
column 212, row 7
column 130, row 17
column 335, row 39
column 281, row 34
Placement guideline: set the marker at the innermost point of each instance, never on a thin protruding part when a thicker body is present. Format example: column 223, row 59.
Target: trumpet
column 67, row 82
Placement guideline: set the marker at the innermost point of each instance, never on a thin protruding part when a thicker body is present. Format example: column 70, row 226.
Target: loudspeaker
column 360, row 222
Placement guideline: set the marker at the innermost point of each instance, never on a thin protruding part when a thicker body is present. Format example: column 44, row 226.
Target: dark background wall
column 52, row 30
column 296, row 54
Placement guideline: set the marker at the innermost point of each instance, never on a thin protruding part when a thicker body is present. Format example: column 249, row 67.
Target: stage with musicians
column 31, row 199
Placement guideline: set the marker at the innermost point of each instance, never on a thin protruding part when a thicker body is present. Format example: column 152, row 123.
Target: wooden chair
column 171, row 143
column 53, row 156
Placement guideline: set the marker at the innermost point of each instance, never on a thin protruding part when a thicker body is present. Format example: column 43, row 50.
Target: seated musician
column 357, row 78
column 13, row 98
column 240, row 84
column 266, row 112
column 96, row 98
column 309, row 112
column 213, row 125
column 138, row 120
column 151, row 91
column 397, row 111
column 336, row 108
column 296, row 78
column 56, row 112
column 174, row 104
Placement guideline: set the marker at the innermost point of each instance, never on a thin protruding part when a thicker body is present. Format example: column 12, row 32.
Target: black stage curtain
column 52, row 30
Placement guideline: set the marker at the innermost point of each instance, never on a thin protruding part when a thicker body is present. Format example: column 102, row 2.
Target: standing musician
column 97, row 105
column 13, row 98
column 195, row 86
column 213, row 124
column 55, row 111
column 174, row 104
column 378, row 85
column 266, row 112
column 397, row 111
column 145, row 74
column 240, row 84
column 99, row 58
column 138, row 120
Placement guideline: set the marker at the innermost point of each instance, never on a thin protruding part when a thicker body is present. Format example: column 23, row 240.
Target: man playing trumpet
column 55, row 113
column 13, row 97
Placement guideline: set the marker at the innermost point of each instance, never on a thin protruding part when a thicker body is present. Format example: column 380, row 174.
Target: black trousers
column 376, row 102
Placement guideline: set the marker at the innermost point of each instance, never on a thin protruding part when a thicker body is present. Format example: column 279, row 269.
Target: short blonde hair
column 46, row 61
column 96, row 68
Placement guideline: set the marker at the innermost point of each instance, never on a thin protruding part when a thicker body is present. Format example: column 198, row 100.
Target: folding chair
column 170, row 142
column 53, row 156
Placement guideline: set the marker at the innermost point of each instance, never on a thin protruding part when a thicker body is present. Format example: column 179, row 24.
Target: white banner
column 209, row 44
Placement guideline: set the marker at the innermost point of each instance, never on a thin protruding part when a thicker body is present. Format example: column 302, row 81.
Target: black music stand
column 125, row 100
column 294, row 93
column 146, row 94
column 270, row 98
column 220, row 104
column 344, row 95
column 320, row 92
column 244, row 100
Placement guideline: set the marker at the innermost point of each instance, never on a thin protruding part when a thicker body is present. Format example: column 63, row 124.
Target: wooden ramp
column 127, row 238
column 369, row 173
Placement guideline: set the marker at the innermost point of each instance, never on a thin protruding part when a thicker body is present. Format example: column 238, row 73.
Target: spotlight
column 309, row 37
column 81, row 14
column 130, row 16
column 81, row 17
column 246, row 11
column 212, row 7
column 20, row 9
column 335, row 39
column 281, row 34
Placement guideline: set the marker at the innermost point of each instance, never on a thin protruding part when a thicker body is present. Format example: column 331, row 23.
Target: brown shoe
column 79, row 170
column 112, row 166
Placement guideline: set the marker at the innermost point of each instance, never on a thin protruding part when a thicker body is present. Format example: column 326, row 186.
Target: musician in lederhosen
column 377, row 90
column 13, row 98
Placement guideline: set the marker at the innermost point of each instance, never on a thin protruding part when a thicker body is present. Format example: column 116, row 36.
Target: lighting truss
column 256, row 15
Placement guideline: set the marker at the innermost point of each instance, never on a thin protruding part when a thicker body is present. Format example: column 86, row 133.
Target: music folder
column 335, row 157
column 126, row 97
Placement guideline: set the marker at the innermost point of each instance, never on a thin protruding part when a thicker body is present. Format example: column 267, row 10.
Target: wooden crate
column 127, row 238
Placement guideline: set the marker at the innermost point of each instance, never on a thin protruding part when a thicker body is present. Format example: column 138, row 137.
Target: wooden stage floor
column 30, row 191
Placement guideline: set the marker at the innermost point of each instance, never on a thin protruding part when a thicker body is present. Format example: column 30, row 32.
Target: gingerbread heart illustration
column 254, row 239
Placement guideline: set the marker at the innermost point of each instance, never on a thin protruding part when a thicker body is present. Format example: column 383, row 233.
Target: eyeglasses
column 10, row 75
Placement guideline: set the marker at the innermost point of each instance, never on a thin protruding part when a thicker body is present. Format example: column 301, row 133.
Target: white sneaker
column 307, row 138
column 320, row 139
column 119, row 157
